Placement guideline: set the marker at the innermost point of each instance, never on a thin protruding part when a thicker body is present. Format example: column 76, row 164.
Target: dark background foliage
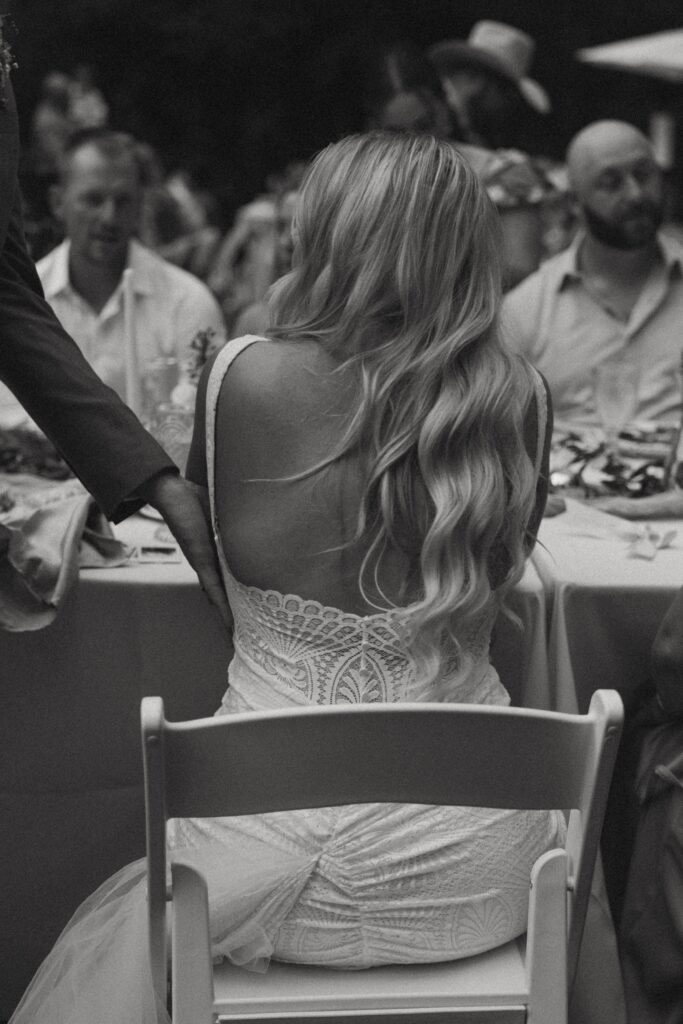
column 234, row 89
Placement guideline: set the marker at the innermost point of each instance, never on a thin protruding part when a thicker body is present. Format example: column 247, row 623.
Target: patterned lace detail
column 327, row 656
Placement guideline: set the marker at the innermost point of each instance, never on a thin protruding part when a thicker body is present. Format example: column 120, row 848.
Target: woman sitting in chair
column 376, row 469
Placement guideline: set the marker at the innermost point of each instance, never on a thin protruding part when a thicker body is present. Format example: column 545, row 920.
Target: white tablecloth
column 604, row 606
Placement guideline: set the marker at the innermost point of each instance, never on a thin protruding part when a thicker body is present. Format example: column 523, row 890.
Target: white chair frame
column 442, row 754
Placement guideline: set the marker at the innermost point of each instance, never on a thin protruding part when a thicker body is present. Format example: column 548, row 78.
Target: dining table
column 608, row 583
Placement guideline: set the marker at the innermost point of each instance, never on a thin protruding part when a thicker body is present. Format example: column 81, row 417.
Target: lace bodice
column 292, row 650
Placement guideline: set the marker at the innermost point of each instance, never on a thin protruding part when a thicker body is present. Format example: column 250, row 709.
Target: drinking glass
column 173, row 427
column 158, row 381
column 615, row 388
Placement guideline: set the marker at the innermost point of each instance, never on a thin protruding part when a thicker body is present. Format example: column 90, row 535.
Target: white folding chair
column 445, row 754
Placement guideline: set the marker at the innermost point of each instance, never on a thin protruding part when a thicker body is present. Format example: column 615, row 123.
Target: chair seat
column 294, row 988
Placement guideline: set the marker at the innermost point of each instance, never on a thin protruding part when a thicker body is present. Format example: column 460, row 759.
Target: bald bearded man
column 616, row 292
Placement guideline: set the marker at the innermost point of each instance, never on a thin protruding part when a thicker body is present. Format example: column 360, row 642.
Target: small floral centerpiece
column 172, row 418
column 201, row 348
column 581, row 461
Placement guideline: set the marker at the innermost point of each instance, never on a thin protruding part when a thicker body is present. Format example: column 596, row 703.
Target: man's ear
column 56, row 201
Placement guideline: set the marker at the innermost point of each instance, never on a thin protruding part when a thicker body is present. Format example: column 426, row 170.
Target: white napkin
column 642, row 539
column 149, row 541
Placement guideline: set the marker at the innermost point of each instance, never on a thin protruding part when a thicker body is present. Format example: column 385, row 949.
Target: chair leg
column 546, row 951
column 191, row 967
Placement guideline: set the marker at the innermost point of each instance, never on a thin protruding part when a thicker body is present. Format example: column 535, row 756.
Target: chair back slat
column 468, row 756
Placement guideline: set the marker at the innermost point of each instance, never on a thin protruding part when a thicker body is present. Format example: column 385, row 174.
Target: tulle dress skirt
column 98, row 971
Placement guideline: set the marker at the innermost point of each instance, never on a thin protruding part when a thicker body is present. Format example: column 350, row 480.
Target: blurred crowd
column 475, row 91
column 177, row 219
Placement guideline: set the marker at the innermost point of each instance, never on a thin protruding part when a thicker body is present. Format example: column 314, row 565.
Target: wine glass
column 173, row 427
column 615, row 390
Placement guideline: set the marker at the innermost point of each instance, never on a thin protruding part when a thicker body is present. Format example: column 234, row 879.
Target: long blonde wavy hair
column 396, row 270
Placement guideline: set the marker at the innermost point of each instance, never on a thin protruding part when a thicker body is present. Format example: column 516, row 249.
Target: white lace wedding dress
column 347, row 887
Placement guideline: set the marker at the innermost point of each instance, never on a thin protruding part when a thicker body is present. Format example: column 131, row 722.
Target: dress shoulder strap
column 541, row 418
column 219, row 369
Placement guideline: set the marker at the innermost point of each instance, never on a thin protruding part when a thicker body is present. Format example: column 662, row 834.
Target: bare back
column 283, row 408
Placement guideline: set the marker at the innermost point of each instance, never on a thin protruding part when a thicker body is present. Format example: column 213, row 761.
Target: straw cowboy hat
column 495, row 47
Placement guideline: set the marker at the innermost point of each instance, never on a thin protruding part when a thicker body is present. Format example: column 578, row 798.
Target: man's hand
column 184, row 507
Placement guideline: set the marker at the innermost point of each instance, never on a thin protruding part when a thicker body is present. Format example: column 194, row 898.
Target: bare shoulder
column 280, row 407
column 271, row 375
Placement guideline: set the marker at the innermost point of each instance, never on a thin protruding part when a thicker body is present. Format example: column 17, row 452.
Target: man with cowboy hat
column 485, row 77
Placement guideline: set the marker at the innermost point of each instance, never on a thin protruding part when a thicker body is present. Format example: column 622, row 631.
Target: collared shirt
column 170, row 308
column 562, row 328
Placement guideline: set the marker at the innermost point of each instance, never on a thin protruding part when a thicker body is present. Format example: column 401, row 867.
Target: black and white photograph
column 341, row 511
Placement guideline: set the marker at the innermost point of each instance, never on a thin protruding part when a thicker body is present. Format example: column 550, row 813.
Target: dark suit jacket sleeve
column 100, row 438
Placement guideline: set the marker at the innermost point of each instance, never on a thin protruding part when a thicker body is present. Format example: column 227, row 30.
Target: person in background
column 405, row 94
column 497, row 106
column 87, row 106
column 616, row 292
column 256, row 252
column 618, row 289
column 651, row 927
column 98, row 201
column 51, row 126
column 51, row 129
column 196, row 240
column 105, row 445
column 177, row 231
column 255, row 318
column 486, row 84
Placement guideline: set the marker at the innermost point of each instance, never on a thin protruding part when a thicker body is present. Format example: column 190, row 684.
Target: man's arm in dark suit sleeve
column 100, row 438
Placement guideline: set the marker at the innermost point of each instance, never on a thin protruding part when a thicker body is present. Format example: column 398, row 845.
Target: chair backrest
column 323, row 756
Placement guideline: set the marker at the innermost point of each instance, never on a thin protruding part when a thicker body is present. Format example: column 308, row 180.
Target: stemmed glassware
column 169, row 423
column 615, row 389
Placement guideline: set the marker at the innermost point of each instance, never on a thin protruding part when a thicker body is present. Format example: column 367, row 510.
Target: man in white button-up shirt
column 616, row 292
column 98, row 202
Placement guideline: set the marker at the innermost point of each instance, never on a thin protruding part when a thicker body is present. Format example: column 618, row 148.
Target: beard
column 636, row 228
